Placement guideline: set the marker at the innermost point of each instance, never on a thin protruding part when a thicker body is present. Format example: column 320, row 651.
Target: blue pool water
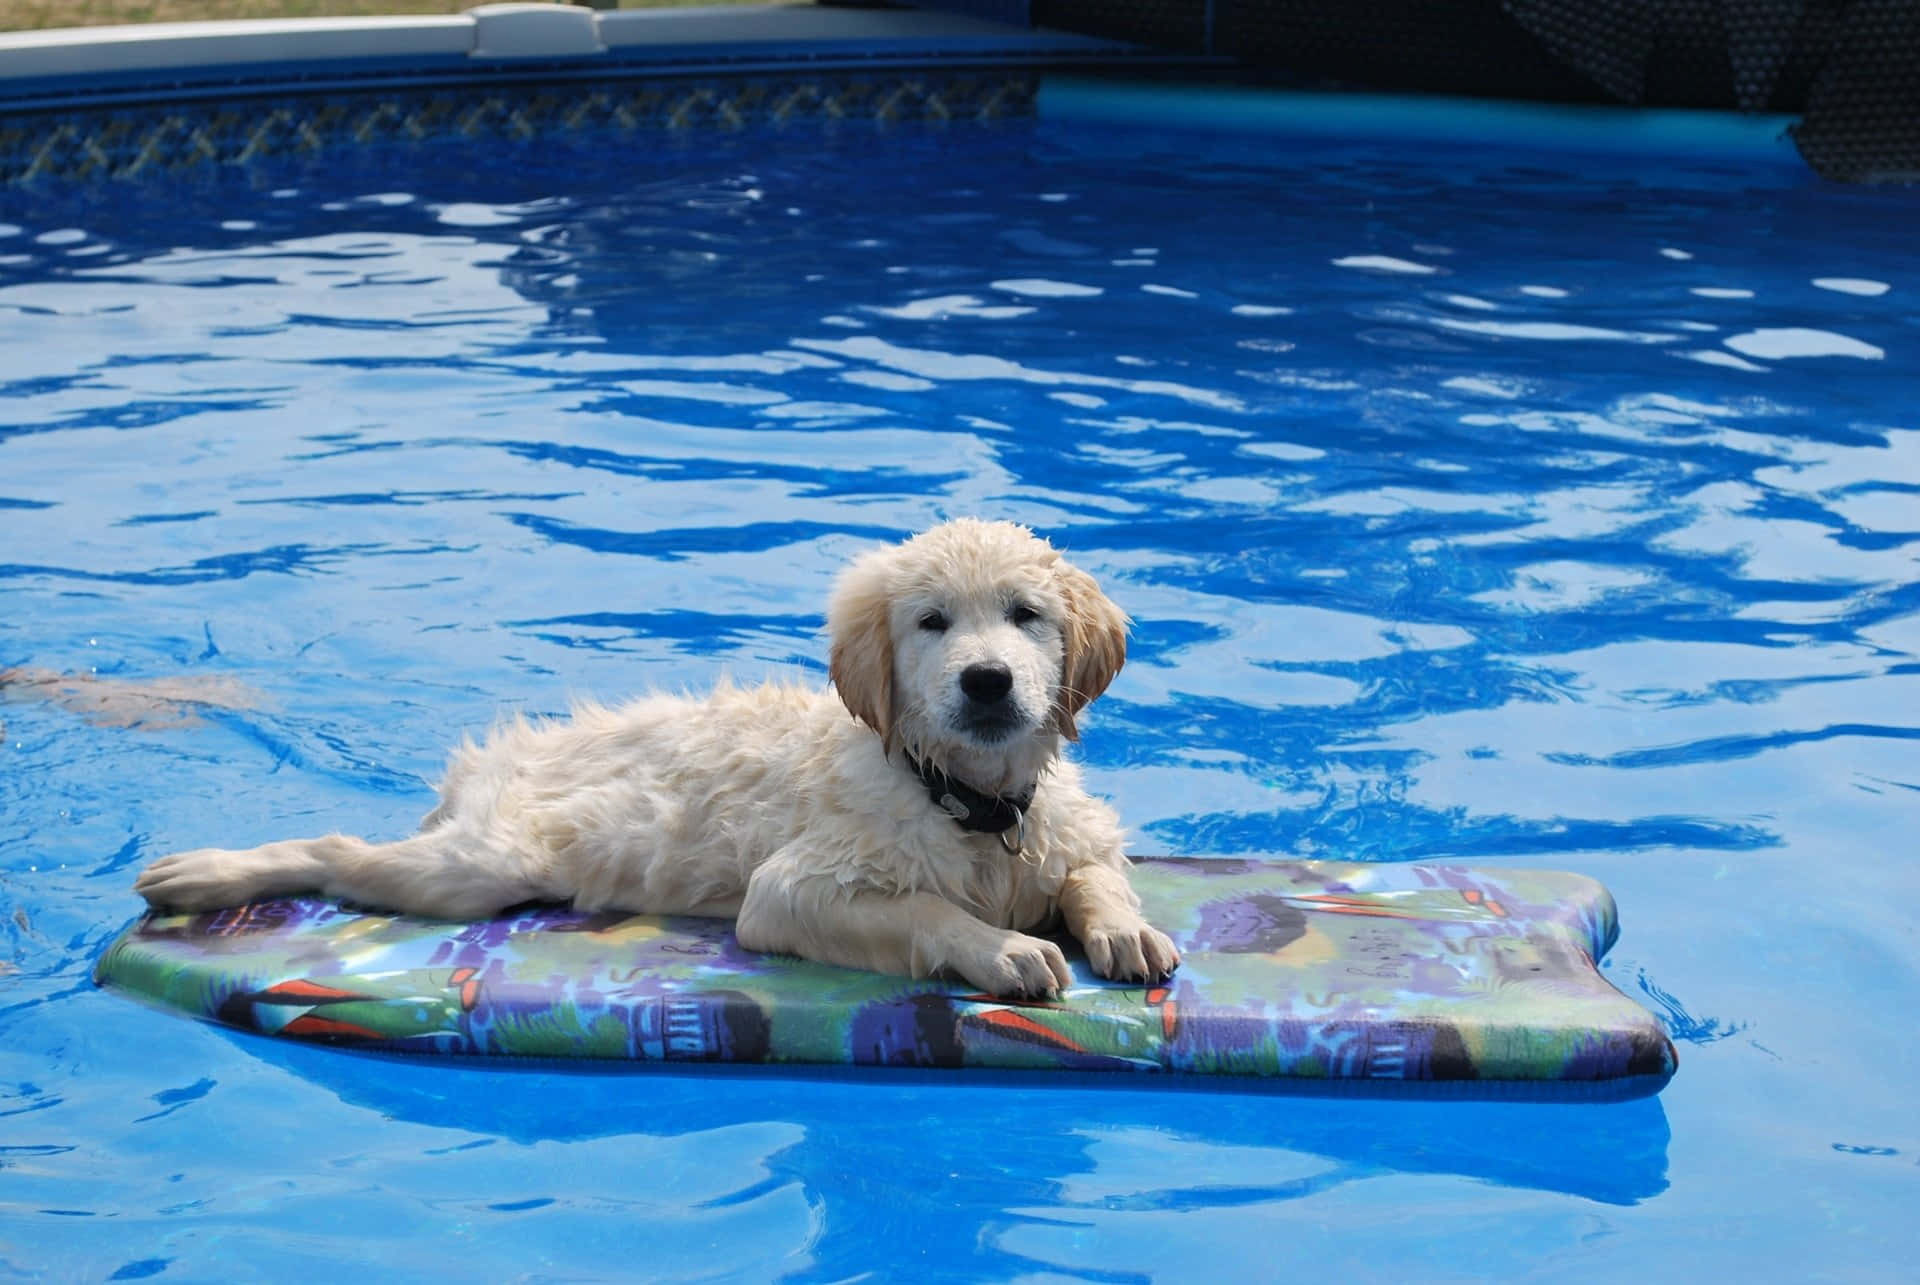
column 1469, row 506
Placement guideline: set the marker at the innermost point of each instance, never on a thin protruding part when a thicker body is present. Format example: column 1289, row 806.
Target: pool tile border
column 136, row 142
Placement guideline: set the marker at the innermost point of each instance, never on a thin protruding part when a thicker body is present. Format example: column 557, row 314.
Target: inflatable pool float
column 1338, row 977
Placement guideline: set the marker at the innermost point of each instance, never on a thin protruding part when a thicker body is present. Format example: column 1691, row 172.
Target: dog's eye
column 934, row 622
column 1021, row 614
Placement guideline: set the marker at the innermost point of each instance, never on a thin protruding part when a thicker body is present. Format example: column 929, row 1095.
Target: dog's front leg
column 1103, row 913
column 792, row 910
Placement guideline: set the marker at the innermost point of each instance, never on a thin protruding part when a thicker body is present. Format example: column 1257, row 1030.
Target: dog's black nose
column 986, row 682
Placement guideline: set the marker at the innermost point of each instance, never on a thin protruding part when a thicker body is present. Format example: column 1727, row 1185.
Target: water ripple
column 679, row 544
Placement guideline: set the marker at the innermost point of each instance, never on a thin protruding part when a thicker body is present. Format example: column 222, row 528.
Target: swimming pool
column 1470, row 504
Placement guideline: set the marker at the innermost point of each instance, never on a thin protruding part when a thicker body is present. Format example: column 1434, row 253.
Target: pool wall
column 124, row 102
column 117, row 103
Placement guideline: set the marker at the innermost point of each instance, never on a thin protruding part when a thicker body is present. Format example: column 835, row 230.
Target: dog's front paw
column 1135, row 952
column 1020, row 967
column 205, row 879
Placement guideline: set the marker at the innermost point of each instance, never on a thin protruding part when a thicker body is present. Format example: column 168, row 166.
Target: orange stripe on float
column 301, row 991
column 1016, row 1025
column 307, row 1026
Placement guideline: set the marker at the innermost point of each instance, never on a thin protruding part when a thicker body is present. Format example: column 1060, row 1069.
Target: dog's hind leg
column 438, row 874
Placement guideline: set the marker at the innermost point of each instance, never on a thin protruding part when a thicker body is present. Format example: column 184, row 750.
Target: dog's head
column 971, row 638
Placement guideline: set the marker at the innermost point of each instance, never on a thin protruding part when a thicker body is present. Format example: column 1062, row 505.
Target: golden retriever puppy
column 928, row 833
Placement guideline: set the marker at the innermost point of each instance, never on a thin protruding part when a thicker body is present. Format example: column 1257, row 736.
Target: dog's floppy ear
column 1096, row 646
column 861, row 655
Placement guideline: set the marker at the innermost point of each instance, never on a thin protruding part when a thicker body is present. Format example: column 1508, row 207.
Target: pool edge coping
column 494, row 38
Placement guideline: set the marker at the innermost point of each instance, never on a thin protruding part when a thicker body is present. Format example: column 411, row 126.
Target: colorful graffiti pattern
column 1310, row 971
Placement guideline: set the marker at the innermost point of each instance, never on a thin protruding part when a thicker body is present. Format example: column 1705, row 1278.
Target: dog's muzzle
column 989, row 713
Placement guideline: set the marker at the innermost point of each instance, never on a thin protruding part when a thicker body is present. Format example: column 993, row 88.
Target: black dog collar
column 972, row 810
